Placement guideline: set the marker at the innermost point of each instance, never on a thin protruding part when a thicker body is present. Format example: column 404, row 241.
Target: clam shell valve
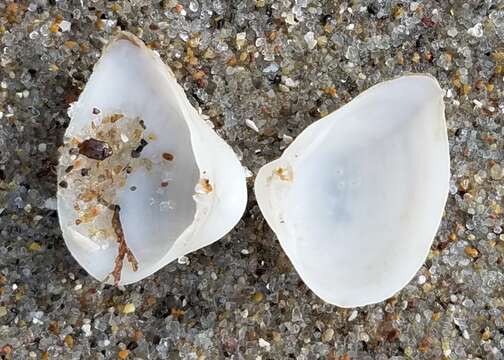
column 357, row 198
column 143, row 179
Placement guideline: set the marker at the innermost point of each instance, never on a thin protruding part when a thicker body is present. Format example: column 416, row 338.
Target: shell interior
column 357, row 198
column 137, row 150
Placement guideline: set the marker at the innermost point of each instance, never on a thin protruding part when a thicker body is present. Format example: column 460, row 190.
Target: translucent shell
column 357, row 198
column 142, row 178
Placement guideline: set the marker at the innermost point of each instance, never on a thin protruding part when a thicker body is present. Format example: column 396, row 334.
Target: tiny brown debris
column 257, row 297
column 115, row 117
column 12, row 8
column 479, row 84
column 14, row 13
column 425, row 344
column 499, row 245
column 69, row 341
column 164, row 183
column 331, row 91
column 498, row 56
column 168, row 156
column 137, row 336
column 332, row 355
column 54, row 327
column 55, row 26
column 388, row 332
column 63, row 184
column 231, row 61
column 95, row 149
column 466, row 89
column 151, row 300
column 123, row 354
column 198, row 75
column 177, row 313
column 471, row 251
column 123, row 248
column 6, row 350
column 205, row 184
column 393, row 335
column 89, row 195
column 486, row 335
column 283, row 174
column 90, row 215
column 443, row 245
column 269, row 132
column 70, row 44
column 428, row 22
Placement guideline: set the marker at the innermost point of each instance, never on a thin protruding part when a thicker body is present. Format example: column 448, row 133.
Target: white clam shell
column 357, row 198
column 160, row 224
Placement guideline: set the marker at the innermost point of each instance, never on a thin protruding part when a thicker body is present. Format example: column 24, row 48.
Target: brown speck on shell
column 168, row 156
column 205, row 184
column 283, row 174
column 90, row 214
column 115, row 117
column 95, row 149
